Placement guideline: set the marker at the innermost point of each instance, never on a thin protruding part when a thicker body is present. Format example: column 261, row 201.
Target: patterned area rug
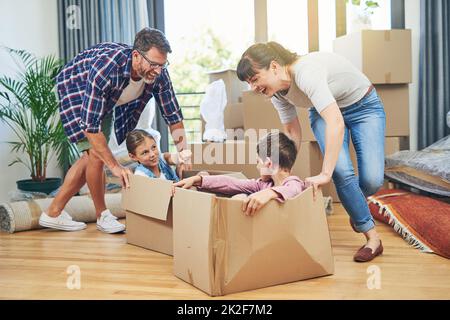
column 422, row 221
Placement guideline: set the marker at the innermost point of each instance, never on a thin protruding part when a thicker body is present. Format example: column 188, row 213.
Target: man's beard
column 148, row 81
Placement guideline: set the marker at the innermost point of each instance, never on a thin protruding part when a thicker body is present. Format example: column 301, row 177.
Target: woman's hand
column 254, row 202
column 188, row 182
column 318, row 181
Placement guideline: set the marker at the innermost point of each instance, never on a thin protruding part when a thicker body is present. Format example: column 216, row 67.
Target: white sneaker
column 62, row 222
column 108, row 223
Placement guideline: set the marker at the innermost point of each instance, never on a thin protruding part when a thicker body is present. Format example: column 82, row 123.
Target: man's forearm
column 178, row 135
column 101, row 149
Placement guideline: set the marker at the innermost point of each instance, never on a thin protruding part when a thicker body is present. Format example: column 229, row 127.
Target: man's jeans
column 365, row 123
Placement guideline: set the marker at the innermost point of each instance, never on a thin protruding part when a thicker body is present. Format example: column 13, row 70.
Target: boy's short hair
column 279, row 148
column 135, row 138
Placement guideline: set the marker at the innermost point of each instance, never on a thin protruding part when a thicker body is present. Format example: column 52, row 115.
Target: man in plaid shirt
column 107, row 84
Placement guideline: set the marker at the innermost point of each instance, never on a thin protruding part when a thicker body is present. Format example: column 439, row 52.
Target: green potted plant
column 361, row 13
column 29, row 107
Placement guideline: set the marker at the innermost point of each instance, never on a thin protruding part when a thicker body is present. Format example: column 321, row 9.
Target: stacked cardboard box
column 233, row 85
column 259, row 113
column 385, row 57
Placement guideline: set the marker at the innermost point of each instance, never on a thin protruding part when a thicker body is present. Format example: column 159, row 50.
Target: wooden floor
column 33, row 265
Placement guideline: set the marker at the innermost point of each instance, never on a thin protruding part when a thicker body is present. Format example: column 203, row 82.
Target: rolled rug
column 24, row 215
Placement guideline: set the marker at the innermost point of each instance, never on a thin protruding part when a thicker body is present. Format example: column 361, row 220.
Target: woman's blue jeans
column 365, row 123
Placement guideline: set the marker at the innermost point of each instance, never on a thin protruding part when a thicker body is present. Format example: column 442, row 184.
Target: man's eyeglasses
column 154, row 65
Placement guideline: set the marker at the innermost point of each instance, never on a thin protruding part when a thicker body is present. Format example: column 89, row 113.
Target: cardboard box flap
column 153, row 198
column 191, row 235
column 276, row 230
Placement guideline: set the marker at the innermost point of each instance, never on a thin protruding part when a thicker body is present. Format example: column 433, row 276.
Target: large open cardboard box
column 148, row 206
column 220, row 250
column 384, row 56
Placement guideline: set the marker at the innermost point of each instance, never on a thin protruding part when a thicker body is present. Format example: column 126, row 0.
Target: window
column 379, row 20
column 204, row 35
column 287, row 23
column 327, row 24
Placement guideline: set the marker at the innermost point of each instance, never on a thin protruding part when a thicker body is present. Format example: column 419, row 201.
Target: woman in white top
column 344, row 105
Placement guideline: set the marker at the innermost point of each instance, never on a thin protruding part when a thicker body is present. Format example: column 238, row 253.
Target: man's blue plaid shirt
column 90, row 85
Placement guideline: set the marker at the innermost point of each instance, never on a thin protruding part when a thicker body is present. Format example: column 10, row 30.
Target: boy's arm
column 229, row 185
column 258, row 200
column 289, row 190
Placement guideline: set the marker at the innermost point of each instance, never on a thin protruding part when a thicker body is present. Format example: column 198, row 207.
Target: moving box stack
column 233, row 114
column 384, row 56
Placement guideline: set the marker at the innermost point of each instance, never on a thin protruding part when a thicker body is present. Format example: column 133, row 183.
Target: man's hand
column 185, row 158
column 122, row 173
column 182, row 160
column 257, row 200
column 317, row 182
column 179, row 170
column 179, row 138
column 189, row 182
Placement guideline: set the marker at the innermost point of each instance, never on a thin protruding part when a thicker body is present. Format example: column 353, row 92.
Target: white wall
column 412, row 21
column 30, row 25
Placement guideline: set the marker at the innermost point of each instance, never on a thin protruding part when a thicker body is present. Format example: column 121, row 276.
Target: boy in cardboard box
column 276, row 156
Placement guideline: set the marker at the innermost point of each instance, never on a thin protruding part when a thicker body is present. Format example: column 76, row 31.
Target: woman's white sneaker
column 62, row 222
column 108, row 223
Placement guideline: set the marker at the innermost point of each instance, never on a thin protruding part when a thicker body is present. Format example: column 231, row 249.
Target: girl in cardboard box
column 143, row 149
